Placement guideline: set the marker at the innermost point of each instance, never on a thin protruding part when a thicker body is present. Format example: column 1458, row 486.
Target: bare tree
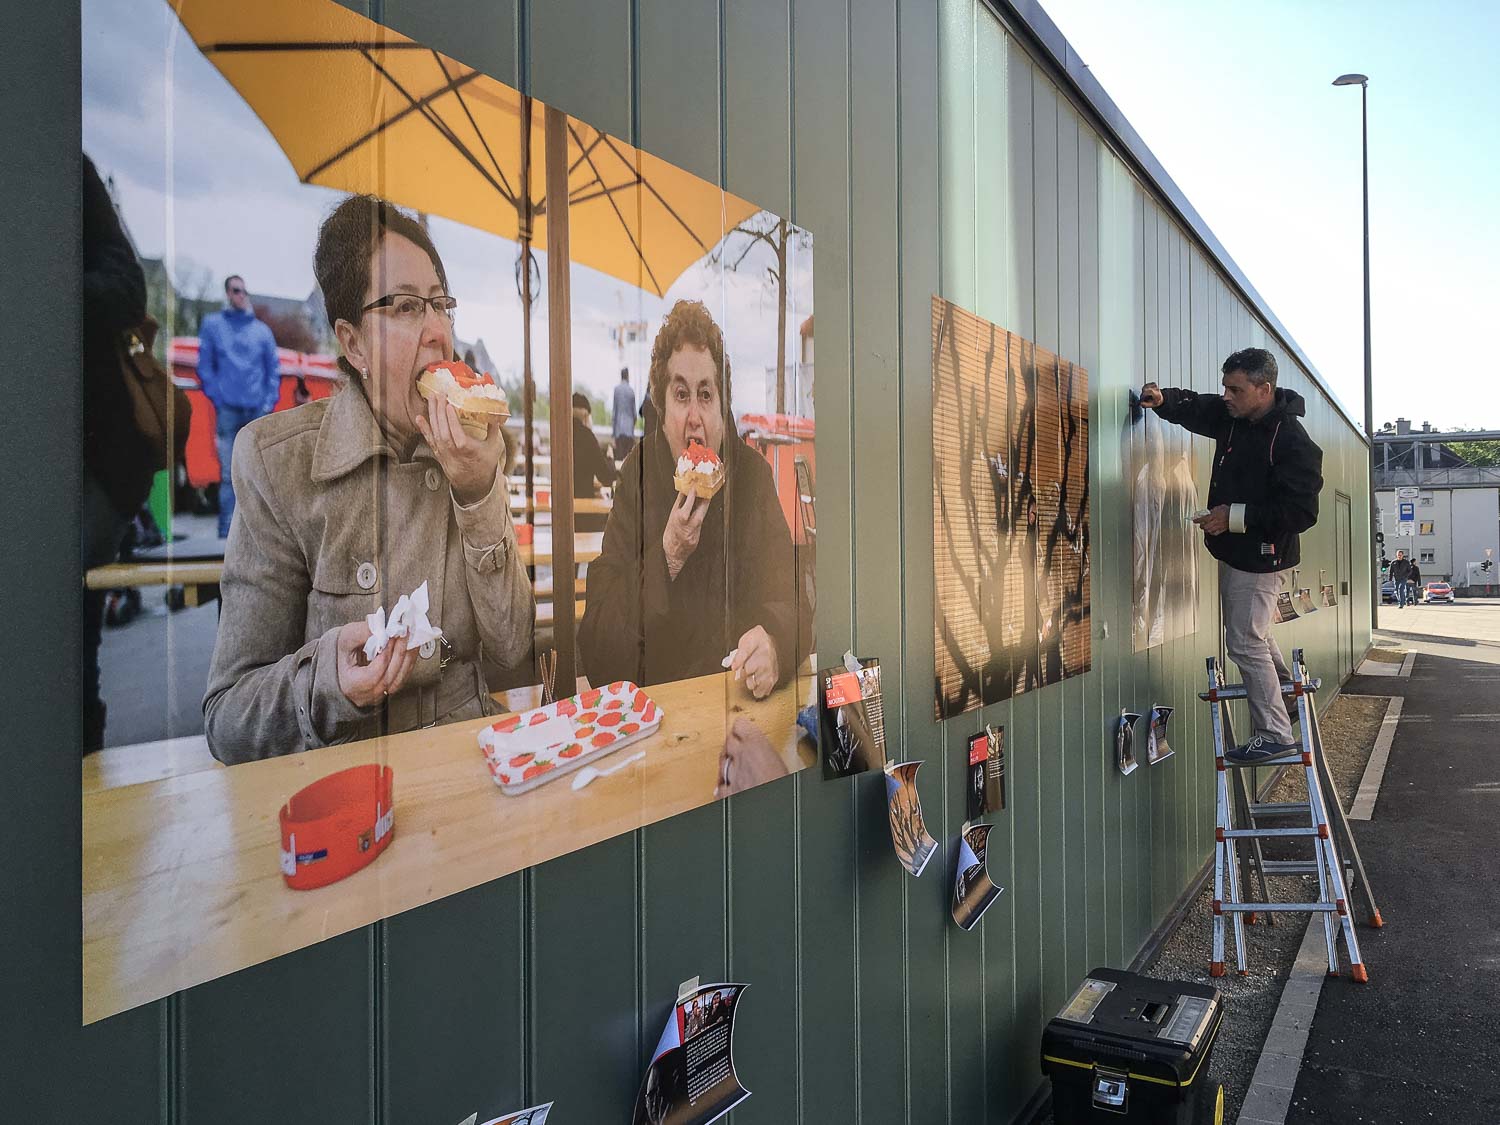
column 782, row 237
column 1019, row 559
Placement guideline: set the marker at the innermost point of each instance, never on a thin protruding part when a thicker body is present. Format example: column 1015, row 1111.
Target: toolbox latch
column 1110, row 1090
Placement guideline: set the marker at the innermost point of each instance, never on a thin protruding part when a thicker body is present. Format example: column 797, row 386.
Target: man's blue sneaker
column 1258, row 749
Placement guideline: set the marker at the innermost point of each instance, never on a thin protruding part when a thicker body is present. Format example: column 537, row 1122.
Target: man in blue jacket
column 241, row 375
column 1263, row 493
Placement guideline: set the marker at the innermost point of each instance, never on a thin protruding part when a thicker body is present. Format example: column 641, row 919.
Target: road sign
column 1407, row 493
column 1408, row 511
column 1406, row 527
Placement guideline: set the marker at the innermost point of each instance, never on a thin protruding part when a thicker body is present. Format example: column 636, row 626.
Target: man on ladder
column 1267, row 474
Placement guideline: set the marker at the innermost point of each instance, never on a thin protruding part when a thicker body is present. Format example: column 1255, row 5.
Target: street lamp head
column 1351, row 80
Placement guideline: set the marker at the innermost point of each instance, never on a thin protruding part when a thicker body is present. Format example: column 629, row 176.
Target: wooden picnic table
column 200, row 576
column 181, row 876
column 582, row 505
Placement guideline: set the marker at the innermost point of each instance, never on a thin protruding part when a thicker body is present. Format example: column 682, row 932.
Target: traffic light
column 1486, row 564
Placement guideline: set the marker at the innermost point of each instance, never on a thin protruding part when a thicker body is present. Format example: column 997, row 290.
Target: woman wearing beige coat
column 347, row 503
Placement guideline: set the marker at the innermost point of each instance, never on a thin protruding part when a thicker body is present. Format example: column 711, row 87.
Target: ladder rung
column 1237, row 691
column 1288, row 866
column 1278, row 907
column 1283, row 760
column 1280, row 808
column 1265, row 833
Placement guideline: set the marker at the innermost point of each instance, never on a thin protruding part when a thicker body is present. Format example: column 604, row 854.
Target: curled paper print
column 408, row 618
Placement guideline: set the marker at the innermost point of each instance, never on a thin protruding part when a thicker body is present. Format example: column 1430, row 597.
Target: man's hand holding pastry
column 469, row 463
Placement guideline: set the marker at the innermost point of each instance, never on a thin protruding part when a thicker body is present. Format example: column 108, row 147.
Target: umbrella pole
column 560, row 352
column 528, row 387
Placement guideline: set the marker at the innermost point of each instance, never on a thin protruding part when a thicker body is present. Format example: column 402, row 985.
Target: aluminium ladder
column 1326, row 821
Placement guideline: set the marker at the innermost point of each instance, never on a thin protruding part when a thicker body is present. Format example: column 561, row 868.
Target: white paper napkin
column 408, row 618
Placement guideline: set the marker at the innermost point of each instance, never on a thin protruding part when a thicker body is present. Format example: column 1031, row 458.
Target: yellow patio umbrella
column 358, row 107
column 361, row 108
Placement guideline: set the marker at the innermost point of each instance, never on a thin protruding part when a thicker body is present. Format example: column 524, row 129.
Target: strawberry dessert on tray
column 529, row 748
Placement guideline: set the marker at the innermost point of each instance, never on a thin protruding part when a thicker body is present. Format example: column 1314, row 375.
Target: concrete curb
column 1363, row 807
column 1270, row 1093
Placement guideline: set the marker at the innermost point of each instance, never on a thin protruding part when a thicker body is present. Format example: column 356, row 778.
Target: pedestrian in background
column 624, row 416
column 1400, row 575
column 241, row 375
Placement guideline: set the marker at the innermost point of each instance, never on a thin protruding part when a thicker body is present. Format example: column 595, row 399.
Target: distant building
column 1455, row 506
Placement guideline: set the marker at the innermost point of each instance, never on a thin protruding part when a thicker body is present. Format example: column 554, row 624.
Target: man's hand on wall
column 1151, row 395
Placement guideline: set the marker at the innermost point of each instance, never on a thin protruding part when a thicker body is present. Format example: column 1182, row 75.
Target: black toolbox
column 1128, row 1048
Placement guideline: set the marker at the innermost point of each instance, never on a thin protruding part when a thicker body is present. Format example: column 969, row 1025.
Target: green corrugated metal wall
column 928, row 152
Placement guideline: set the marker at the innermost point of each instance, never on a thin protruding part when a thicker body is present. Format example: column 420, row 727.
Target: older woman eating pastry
column 347, row 504
column 697, row 566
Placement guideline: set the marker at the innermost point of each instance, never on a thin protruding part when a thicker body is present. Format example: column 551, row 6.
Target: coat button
column 366, row 575
column 427, row 649
column 434, row 480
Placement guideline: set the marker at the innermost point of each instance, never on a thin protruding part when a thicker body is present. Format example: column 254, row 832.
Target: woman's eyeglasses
column 412, row 307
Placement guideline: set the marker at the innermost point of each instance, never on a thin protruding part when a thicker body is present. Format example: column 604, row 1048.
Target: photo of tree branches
column 1010, row 482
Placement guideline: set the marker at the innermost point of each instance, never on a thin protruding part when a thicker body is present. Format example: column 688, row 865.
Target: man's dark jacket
column 642, row 625
column 1270, row 465
column 1400, row 570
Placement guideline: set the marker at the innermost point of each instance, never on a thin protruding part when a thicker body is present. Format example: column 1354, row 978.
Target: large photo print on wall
column 1164, row 541
column 449, row 483
column 1010, row 482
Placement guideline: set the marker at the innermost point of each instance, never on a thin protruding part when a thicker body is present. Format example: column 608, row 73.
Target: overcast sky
column 202, row 184
column 1235, row 100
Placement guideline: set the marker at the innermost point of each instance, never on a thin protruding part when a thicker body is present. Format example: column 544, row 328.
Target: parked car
column 1437, row 592
column 1388, row 592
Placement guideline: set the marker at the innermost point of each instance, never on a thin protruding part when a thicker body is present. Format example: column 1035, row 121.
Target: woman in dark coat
column 683, row 582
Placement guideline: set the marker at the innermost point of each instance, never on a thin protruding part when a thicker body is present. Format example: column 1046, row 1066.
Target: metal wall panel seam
column 526, row 1017
column 170, row 1065
column 901, row 538
column 379, row 1041
column 726, row 814
column 859, row 1109
column 642, row 1033
column 798, row 859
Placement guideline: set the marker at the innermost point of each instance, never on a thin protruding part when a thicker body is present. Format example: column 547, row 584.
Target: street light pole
column 1363, row 83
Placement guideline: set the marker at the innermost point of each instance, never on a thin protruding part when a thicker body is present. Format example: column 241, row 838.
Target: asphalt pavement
column 1421, row 1041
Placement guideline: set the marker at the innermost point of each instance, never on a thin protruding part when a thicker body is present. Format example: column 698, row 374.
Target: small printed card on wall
column 1285, row 610
column 1305, row 601
column 536, row 1115
column 1125, row 742
column 973, row 889
column 1330, row 599
column 986, row 772
column 691, row 1079
column 913, row 843
column 1157, row 749
column 853, row 717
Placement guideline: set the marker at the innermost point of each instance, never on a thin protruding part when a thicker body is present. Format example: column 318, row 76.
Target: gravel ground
column 1349, row 730
column 1386, row 655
